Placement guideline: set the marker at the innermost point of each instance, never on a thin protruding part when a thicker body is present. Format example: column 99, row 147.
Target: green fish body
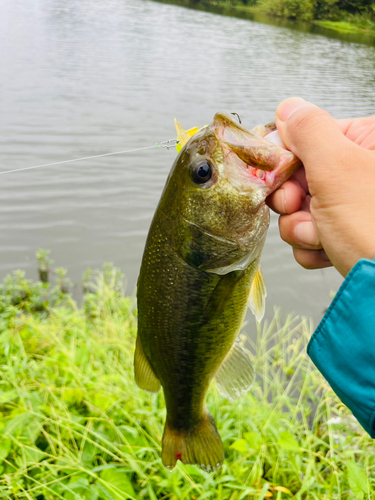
column 200, row 270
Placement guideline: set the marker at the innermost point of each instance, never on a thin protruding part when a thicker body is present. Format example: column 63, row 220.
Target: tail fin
column 200, row 445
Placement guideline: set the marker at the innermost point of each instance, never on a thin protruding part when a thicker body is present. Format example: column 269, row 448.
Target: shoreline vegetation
column 344, row 17
column 355, row 17
column 74, row 426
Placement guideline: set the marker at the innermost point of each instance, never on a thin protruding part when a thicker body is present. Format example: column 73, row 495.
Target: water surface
column 80, row 78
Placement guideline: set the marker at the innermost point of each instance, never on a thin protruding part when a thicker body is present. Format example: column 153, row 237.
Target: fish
column 200, row 271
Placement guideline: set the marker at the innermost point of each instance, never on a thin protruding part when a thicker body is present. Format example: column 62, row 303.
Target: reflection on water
column 80, row 78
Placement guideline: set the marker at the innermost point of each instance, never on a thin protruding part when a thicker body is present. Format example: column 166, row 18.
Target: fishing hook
column 238, row 116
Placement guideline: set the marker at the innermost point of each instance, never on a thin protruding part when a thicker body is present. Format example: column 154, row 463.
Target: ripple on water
column 86, row 78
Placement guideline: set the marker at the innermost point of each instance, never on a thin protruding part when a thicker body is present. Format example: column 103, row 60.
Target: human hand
column 328, row 207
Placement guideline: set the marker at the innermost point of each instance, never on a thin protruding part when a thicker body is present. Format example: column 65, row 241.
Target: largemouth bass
column 200, row 269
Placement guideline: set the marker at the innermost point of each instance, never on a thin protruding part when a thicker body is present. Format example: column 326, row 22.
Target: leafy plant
column 74, row 426
column 44, row 263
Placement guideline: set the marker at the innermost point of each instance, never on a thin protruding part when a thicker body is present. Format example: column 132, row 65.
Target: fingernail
column 286, row 108
column 306, row 234
column 279, row 201
column 283, row 200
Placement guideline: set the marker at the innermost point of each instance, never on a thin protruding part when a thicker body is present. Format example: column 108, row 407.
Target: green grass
column 341, row 26
column 356, row 26
column 75, row 426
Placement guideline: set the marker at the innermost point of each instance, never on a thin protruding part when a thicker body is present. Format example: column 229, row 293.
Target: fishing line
column 164, row 144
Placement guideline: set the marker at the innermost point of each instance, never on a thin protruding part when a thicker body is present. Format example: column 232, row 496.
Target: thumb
column 311, row 133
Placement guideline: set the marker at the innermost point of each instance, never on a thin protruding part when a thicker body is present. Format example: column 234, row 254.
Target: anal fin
column 144, row 375
column 258, row 294
column 235, row 376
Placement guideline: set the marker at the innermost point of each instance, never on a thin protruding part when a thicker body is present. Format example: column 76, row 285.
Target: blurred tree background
column 359, row 12
column 308, row 10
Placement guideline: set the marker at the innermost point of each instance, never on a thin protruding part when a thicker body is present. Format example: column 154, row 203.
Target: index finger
column 290, row 195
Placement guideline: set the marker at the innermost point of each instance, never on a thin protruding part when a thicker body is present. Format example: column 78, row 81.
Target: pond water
column 80, row 78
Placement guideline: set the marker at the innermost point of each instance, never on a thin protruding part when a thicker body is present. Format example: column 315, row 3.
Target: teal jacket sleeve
column 343, row 345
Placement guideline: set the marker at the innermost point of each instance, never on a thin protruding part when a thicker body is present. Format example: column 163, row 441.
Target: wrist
column 347, row 258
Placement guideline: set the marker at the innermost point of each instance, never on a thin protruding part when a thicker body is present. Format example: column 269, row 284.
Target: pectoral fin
column 144, row 375
column 258, row 294
column 236, row 374
column 221, row 295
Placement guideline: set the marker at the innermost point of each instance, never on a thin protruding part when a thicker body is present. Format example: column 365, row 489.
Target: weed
column 74, row 425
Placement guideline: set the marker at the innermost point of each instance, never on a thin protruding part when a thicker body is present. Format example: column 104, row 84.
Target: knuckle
column 304, row 258
column 311, row 259
column 287, row 224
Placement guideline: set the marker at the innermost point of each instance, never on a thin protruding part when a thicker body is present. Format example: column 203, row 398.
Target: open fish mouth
column 253, row 158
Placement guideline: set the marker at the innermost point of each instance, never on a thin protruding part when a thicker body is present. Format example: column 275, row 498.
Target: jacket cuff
column 343, row 345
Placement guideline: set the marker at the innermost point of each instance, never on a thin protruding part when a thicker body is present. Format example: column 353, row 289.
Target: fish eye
column 202, row 172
